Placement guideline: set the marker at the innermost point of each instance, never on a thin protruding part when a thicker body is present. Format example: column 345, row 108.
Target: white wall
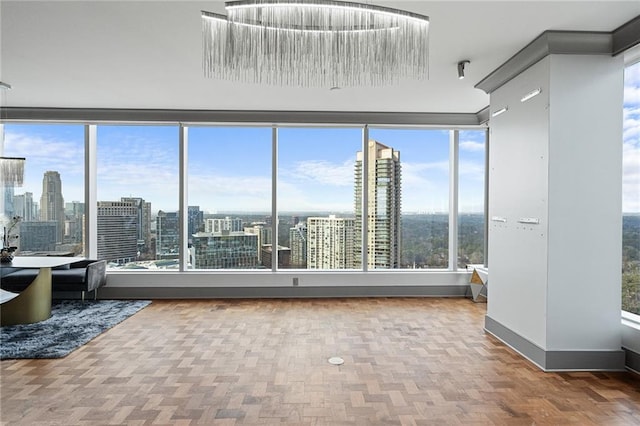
column 518, row 172
column 585, row 202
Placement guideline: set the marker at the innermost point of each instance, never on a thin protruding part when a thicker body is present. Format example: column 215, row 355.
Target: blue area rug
column 72, row 324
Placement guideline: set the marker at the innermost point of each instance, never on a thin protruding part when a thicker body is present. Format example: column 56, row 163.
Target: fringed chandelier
column 316, row 43
column 11, row 171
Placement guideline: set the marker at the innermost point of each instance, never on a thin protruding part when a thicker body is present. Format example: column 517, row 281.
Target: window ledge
column 631, row 320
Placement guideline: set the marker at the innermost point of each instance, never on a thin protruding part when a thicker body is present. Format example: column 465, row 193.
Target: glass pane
column 46, row 213
column 471, row 174
column 229, row 184
column 408, row 199
column 137, row 179
column 316, row 186
column 631, row 192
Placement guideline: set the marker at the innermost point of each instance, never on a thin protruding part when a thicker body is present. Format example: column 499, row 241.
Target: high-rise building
column 383, row 216
column 7, row 200
column 38, row 235
column 330, row 242
column 298, row 243
column 167, row 235
column 143, row 210
column 73, row 231
column 223, row 225
column 117, row 231
column 264, row 234
column 225, row 250
column 284, row 256
column 24, row 207
column 195, row 220
column 52, row 202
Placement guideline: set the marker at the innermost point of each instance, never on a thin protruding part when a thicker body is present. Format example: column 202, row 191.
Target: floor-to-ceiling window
column 138, row 218
column 45, row 214
column 471, row 196
column 631, row 192
column 408, row 214
column 317, row 187
column 229, row 197
column 342, row 194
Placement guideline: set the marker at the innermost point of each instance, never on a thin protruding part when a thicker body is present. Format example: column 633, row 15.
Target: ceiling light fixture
column 500, row 111
column 530, row 95
column 12, row 171
column 319, row 43
column 461, row 65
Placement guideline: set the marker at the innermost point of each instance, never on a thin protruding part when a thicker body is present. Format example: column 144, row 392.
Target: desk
column 34, row 303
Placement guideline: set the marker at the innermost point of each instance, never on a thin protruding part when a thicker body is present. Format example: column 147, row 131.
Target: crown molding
column 174, row 116
column 626, row 36
column 549, row 42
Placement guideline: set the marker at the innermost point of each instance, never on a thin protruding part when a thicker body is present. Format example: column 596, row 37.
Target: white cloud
column 631, row 124
column 46, row 153
column 323, row 172
column 293, row 197
column 631, row 178
column 214, row 193
column 472, row 146
column 632, row 93
column 473, row 171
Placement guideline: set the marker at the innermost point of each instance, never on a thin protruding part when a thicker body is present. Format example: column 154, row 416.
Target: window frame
column 380, row 120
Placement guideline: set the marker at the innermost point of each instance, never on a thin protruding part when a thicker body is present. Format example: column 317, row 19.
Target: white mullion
column 486, row 197
column 90, row 191
column 274, row 199
column 454, row 139
column 183, row 197
column 365, row 199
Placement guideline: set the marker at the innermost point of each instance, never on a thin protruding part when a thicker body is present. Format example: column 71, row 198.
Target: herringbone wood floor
column 407, row 361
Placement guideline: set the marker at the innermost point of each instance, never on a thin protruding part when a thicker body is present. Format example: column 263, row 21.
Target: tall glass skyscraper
column 167, row 235
column 384, row 216
column 52, row 202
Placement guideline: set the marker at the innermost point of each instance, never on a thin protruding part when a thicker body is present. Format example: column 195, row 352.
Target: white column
column 555, row 213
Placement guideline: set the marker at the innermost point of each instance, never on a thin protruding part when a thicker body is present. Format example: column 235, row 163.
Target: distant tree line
column 631, row 263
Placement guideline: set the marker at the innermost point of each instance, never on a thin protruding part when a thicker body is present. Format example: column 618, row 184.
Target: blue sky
column 230, row 167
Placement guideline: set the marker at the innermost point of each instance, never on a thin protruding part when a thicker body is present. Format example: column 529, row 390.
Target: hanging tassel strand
column 314, row 44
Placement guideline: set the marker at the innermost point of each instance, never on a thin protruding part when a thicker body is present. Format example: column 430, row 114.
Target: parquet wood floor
column 407, row 361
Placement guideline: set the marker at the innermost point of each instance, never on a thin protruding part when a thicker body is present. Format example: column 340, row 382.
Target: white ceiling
column 147, row 54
